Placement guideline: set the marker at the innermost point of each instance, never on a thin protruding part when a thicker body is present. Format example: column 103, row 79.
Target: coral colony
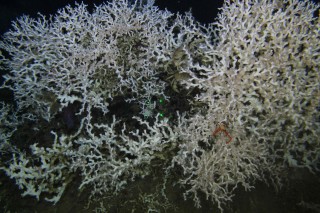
column 101, row 89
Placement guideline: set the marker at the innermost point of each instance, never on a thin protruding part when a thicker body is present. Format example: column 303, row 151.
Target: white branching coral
column 76, row 62
column 109, row 160
column 215, row 165
column 270, row 63
column 45, row 172
column 262, row 82
column 252, row 79
column 89, row 58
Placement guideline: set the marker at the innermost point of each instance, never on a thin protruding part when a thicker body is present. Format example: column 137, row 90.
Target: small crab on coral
column 222, row 127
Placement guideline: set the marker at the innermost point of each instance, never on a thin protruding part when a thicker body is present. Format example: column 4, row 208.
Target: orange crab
column 222, row 127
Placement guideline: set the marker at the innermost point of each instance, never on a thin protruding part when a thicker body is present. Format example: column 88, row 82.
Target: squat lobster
column 222, row 128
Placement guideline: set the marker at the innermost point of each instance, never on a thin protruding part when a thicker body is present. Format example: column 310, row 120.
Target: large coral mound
column 102, row 89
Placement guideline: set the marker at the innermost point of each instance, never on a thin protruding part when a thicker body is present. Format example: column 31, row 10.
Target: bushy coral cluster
column 252, row 81
column 76, row 56
column 260, row 79
column 72, row 66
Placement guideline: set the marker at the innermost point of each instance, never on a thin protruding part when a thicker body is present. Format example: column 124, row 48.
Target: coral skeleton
column 251, row 78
